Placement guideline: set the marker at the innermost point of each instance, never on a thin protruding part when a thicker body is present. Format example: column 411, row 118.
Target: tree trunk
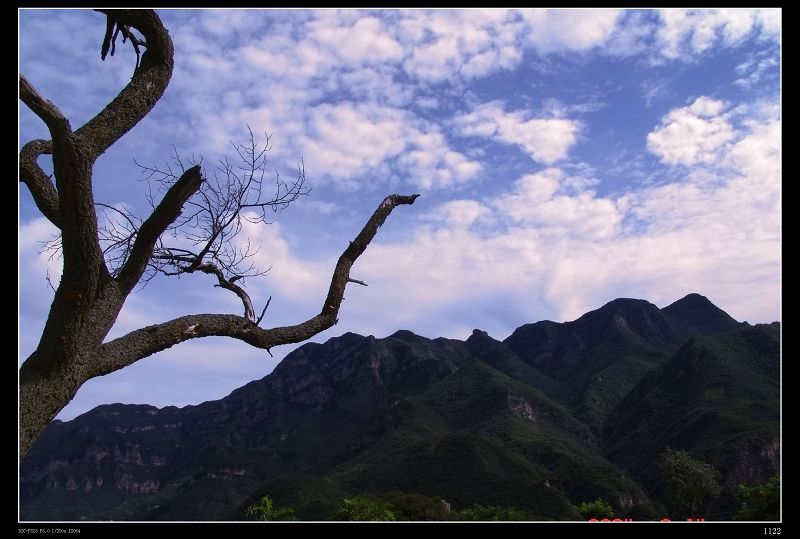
column 88, row 299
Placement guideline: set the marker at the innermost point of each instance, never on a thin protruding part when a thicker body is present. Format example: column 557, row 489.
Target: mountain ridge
column 528, row 421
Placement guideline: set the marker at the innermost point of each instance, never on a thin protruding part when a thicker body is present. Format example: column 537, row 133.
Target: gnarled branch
column 341, row 274
column 41, row 187
column 75, row 152
column 53, row 118
column 113, row 29
column 148, row 84
column 144, row 342
column 163, row 216
column 228, row 284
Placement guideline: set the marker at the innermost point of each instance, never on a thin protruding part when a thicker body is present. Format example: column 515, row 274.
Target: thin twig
column 263, row 313
column 47, row 278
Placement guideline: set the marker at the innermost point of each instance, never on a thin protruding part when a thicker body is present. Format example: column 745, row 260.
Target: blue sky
column 564, row 158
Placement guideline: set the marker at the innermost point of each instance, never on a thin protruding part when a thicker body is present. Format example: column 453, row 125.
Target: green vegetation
column 360, row 508
column 599, row 508
column 490, row 512
column 760, row 502
column 689, row 482
column 417, row 507
column 266, row 511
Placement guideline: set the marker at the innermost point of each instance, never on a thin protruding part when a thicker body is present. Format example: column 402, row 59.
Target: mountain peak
column 404, row 335
column 626, row 307
column 696, row 314
column 481, row 340
column 635, row 318
column 693, row 299
column 625, row 304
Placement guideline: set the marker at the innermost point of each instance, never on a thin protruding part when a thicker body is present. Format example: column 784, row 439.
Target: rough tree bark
column 89, row 298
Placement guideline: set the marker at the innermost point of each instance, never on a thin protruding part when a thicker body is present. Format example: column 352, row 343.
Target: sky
column 564, row 158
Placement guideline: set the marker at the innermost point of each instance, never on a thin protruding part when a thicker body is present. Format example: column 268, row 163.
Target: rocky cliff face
column 527, row 422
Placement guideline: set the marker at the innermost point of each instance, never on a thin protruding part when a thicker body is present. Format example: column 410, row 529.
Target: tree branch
column 144, row 342
column 75, row 215
column 54, row 119
column 148, row 84
column 264, row 311
column 163, row 215
column 39, row 184
column 74, row 153
column 341, row 274
column 228, row 284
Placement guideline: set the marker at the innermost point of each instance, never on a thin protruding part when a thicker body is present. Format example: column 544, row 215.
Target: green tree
column 689, row 482
column 599, row 508
column 760, row 502
column 360, row 508
column 490, row 512
column 267, row 511
column 419, row 507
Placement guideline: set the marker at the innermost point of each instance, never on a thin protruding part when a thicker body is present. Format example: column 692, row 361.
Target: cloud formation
column 546, row 140
column 685, row 33
column 693, row 134
column 575, row 250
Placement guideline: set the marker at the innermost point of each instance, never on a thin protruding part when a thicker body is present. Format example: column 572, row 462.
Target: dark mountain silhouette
column 696, row 315
column 603, row 354
column 718, row 396
column 555, row 415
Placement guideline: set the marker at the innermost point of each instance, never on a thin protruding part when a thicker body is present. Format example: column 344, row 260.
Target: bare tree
column 103, row 262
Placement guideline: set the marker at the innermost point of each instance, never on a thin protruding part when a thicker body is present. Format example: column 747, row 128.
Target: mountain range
column 555, row 415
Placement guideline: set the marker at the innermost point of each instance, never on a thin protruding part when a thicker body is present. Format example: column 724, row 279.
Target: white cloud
column 271, row 55
column 435, row 61
column 35, row 294
column 485, row 62
column 364, row 41
column 541, row 200
column 546, row 140
column 754, row 70
column 568, row 30
column 759, row 153
column 632, row 34
column 461, row 214
column 373, row 84
column 770, row 21
column 685, row 33
column 347, row 140
column 303, row 281
column 444, row 44
column 693, row 134
column 430, row 163
column 36, row 265
column 321, row 207
column 475, row 43
column 427, row 102
column 32, row 236
column 706, row 107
